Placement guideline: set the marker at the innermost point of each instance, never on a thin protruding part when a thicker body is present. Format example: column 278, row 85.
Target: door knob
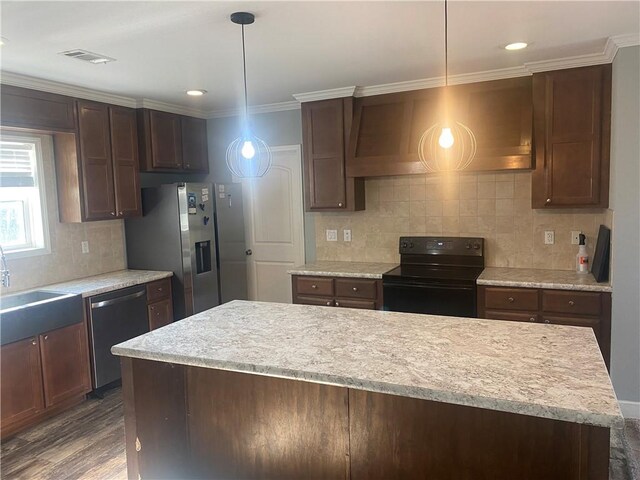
column 248, row 252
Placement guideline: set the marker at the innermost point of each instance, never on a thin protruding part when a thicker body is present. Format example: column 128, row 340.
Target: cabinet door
column 20, row 381
column 65, row 363
column 166, row 140
column 195, row 153
column 25, row 108
column 325, row 130
column 124, row 147
column 160, row 314
column 572, row 117
column 95, row 156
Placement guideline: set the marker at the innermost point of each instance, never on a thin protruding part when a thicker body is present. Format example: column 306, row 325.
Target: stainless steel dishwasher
column 114, row 317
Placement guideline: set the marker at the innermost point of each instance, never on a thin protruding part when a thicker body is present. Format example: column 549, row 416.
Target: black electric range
column 436, row 275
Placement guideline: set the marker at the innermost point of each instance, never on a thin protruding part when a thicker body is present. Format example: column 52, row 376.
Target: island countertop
column 548, row 371
column 343, row 269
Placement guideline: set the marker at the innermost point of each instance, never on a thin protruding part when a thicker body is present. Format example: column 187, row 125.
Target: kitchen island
column 248, row 390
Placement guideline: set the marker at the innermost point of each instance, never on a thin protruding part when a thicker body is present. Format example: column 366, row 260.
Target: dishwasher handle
column 113, row 301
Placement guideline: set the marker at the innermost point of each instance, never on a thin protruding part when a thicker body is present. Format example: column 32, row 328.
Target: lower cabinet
column 557, row 307
column 159, row 303
column 365, row 293
column 43, row 375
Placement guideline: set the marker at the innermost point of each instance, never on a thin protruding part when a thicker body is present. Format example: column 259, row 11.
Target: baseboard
column 629, row 409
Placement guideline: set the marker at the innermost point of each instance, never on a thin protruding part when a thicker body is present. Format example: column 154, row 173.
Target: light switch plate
column 575, row 237
column 85, row 246
column 332, row 235
column 549, row 237
column 347, row 235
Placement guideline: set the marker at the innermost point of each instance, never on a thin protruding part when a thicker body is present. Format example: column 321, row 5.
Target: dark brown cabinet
column 365, row 293
column 172, row 143
column 159, row 303
column 560, row 307
column 21, row 393
column 325, row 132
column 26, row 108
column 572, row 121
column 98, row 179
column 387, row 129
column 65, row 363
column 42, row 376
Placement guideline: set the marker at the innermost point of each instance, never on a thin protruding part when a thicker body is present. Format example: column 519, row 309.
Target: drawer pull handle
column 571, row 303
column 532, row 319
column 314, row 286
column 510, row 299
column 337, row 304
column 546, row 321
column 355, row 289
column 328, row 304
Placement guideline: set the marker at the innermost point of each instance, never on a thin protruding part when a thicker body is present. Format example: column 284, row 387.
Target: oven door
column 430, row 298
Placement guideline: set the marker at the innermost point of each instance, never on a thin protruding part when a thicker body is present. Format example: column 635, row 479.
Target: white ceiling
column 164, row 48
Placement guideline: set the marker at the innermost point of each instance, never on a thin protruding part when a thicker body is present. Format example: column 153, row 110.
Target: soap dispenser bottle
column 582, row 258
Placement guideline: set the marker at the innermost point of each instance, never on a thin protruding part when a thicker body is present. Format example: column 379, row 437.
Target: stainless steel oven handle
column 113, row 301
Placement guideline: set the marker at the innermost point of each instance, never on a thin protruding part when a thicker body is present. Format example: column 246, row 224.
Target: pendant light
column 247, row 156
column 448, row 145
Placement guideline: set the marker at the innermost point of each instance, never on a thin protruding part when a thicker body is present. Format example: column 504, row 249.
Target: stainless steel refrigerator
column 181, row 231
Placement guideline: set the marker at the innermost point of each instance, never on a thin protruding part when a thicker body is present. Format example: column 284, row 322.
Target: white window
column 23, row 218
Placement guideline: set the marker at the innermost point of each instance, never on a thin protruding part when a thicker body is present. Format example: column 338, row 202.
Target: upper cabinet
column 325, row 131
column 172, row 143
column 25, row 108
column 99, row 179
column 387, row 128
column 572, row 115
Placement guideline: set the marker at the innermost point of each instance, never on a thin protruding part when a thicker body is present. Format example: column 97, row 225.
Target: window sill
column 27, row 252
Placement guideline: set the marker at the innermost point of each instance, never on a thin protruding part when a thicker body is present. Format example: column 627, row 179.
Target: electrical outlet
column 347, row 235
column 575, row 237
column 85, row 246
column 549, row 237
column 332, row 235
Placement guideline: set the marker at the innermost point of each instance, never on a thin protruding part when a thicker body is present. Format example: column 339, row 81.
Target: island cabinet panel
column 558, row 307
column 572, row 117
column 326, row 125
column 363, row 293
column 400, row 437
column 32, row 109
column 387, row 129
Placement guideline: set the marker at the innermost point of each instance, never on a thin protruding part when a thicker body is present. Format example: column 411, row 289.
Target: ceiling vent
column 87, row 56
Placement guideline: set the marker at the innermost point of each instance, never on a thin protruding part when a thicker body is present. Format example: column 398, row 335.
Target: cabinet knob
column 138, row 445
column 33, row 342
column 46, row 337
column 355, row 289
column 314, row 286
column 113, row 214
column 571, row 303
column 548, row 200
column 340, row 204
column 120, row 213
column 546, row 321
column 157, row 314
column 328, row 304
column 337, row 304
column 510, row 299
column 532, row 319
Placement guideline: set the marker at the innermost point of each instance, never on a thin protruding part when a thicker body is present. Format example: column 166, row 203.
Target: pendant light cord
column 244, row 76
column 446, row 46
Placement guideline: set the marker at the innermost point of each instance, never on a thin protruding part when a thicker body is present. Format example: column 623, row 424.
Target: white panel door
column 274, row 226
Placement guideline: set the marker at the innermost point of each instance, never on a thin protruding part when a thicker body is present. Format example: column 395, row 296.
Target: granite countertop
column 343, row 269
column 549, row 371
column 534, row 278
column 107, row 282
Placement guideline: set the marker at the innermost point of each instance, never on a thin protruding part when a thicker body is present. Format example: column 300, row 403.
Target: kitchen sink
column 29, row 314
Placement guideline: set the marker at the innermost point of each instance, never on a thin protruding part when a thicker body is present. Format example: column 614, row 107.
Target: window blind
column 17, row 164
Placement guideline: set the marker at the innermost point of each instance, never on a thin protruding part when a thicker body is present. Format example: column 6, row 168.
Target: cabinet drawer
column 160, row 314
column 530, row 317
column 581, row 303
column 511, row 298
column 572, row 321
column 314, row 286
column 158, row 290
column 321, row 301
column 356, row 288
column 348, row 303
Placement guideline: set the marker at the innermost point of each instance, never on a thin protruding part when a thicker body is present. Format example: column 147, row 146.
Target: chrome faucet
column 4, row 270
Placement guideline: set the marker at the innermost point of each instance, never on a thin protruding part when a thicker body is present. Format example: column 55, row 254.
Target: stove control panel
column 467, row 246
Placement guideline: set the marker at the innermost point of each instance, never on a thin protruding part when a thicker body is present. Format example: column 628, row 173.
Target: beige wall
column 494, row 206
column 66, row 260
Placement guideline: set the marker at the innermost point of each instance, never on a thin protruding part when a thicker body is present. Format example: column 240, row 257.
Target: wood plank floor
column 87, row 442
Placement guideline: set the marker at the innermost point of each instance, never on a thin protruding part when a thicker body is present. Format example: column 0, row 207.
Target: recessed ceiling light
column 196, row 93
column 516, row 46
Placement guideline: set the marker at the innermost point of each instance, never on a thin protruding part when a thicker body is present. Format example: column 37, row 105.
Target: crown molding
column 325, row 94
column 171, row 108
column 628, row 40
column 255, row 109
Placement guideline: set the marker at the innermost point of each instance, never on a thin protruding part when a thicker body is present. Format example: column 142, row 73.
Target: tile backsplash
column 494, row 206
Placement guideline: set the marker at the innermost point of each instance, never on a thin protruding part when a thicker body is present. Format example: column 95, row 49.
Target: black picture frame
column 600, row 265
